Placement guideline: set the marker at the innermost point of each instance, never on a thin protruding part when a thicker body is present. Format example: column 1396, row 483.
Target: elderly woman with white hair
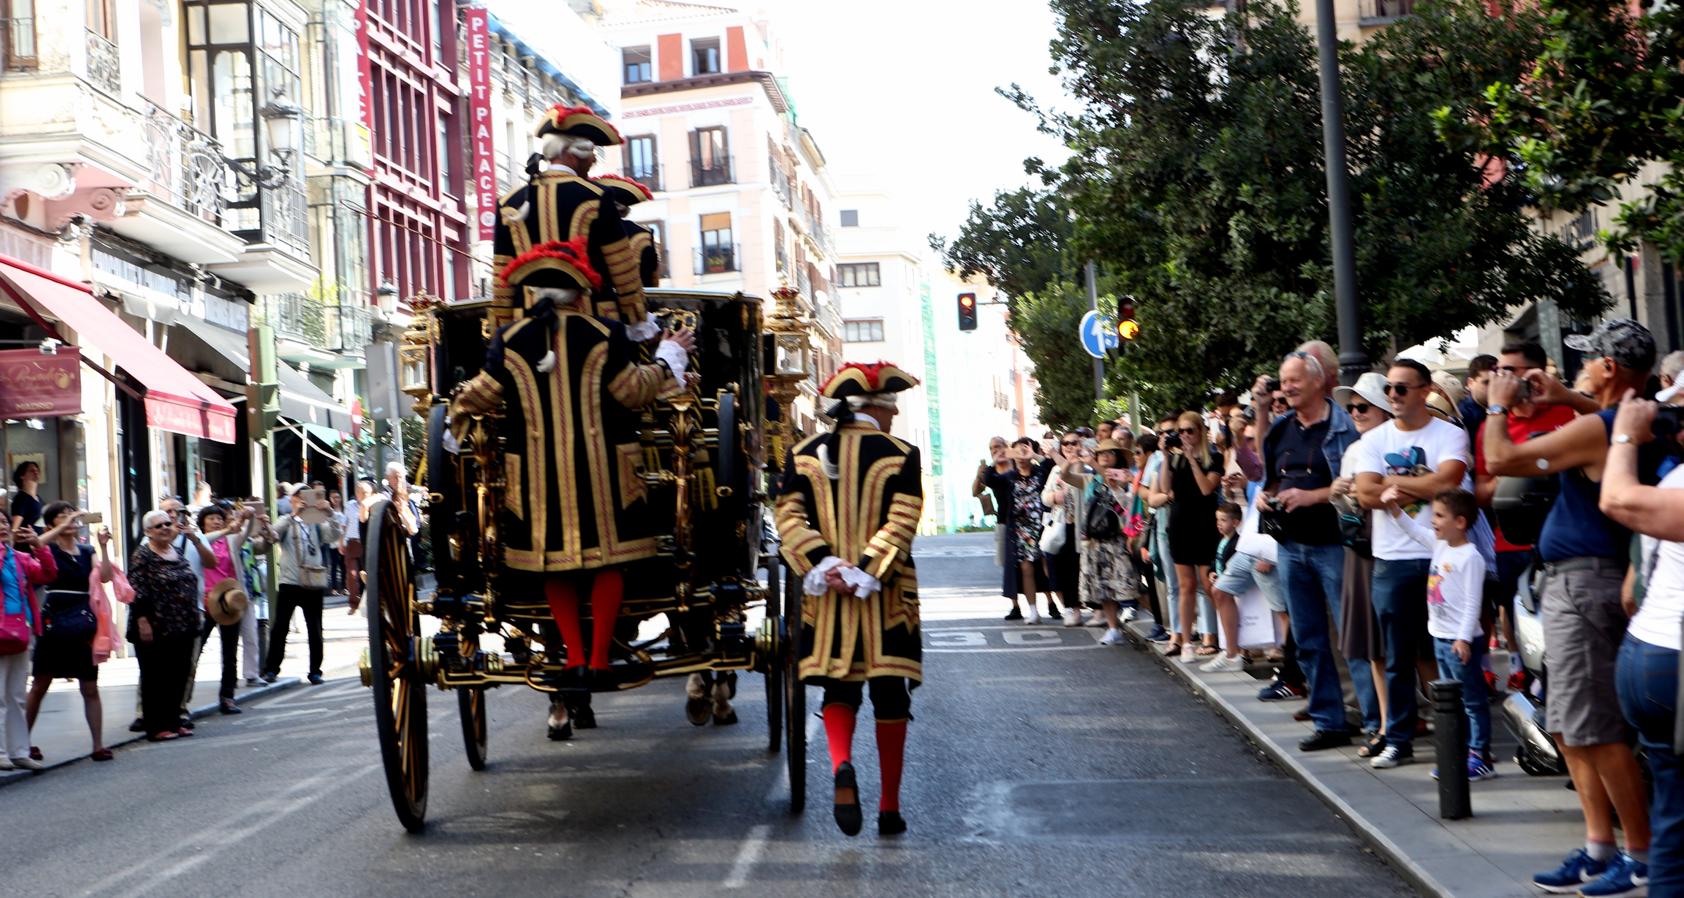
column 163, row 620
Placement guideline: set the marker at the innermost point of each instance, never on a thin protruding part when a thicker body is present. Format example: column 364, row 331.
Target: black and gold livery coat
column 866, row 514
column 559, row 205
column 574, row 495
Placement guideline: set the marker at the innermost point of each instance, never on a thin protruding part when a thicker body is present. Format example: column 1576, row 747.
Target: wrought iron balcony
column 719, row 259
column 184, row 167
column 104, row 65
column 286, row 221
column 1374, row 12
column 647, row 175
column 333, row 328
column 716, row 171
column 781, row 186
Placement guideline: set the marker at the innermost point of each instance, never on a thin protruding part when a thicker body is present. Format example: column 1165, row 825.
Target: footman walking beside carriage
column 847, row 513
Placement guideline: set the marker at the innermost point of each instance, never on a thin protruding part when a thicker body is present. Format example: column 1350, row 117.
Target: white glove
column 675, row 357
column 643, row 333
column 863, row 583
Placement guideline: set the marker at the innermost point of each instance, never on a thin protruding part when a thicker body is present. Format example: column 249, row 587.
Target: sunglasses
column 1361, row 408
column 159, row 526
column 1401, row 389
column 1280, row 401
column 1071, row 443
column 1188, row 429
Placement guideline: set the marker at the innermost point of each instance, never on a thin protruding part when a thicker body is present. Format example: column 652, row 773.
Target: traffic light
column 967, row 311
column 1127, row 327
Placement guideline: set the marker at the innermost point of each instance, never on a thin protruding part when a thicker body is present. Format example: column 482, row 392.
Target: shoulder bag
column 1104, row 521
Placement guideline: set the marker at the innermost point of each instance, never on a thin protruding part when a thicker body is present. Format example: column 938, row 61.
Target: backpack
column 1104, row 519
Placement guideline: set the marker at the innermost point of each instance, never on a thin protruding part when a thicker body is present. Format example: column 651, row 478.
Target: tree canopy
column 1196, row 181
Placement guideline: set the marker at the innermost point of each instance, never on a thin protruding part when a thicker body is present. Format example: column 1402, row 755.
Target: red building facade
column 418, row 226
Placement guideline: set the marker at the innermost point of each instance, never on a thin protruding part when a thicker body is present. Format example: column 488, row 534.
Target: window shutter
column 716, row 221
column 696, row 149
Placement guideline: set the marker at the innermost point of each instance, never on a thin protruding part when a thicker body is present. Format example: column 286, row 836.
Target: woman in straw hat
column 226, row 611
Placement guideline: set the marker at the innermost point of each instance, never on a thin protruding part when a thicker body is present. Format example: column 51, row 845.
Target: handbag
column 1052, row 534
column 1104, row 520
column 14, row 633
column 70, row 618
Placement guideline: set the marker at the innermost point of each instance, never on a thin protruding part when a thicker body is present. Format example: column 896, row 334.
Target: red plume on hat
column 859, row 379
column 570, row 259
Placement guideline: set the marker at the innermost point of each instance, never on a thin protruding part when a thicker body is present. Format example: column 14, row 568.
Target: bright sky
column 900, row 94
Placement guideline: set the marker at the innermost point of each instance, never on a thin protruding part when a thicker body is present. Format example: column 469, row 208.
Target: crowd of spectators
column 1355, row 530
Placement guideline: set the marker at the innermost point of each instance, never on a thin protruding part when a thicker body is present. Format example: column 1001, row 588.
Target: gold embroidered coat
column 574, row 496
column 560, row 205
column 859, row 501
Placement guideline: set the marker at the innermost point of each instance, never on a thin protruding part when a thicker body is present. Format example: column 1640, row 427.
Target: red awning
column 175, row 400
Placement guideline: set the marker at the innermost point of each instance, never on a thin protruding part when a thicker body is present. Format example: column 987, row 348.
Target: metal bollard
column 1450, row 744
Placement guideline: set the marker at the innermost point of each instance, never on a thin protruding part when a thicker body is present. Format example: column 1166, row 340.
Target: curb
column 1366, row 830
column 9, row 777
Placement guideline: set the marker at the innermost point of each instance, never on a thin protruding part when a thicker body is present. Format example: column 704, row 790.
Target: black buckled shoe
column 1325, row 739
column 848, row 818
column 890, row 823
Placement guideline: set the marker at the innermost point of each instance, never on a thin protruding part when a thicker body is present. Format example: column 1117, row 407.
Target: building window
column 639, row 64
column 640, row 162
column 102, row 20
column 850, row 218
column 17, row 34
column 710, row 163
column 704, row 56
column 859, row 274
column 718, row 253
column 867, row 330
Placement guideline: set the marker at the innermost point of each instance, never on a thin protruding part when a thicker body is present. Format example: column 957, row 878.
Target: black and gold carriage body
column 703, row 466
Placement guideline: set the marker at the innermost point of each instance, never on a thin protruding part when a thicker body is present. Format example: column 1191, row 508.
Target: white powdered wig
column 878, row 400
column 561, row 297
column 562, row 147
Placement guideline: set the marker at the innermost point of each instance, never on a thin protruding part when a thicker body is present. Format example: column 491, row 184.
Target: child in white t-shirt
column 1455, row 596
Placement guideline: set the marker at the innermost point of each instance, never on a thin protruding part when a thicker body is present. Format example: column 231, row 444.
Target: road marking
column 1010, row 639
column 747, row 856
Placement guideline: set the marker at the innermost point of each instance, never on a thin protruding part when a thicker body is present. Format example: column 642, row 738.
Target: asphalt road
column 1040, row 764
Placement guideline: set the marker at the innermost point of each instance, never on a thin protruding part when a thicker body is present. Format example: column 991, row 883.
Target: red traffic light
column 967, row 311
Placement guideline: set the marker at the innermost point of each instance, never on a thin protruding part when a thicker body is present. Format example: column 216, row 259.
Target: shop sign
column 36, row 385
column 479, row 117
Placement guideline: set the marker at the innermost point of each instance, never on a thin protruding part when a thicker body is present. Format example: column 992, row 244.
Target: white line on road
column 747, row 856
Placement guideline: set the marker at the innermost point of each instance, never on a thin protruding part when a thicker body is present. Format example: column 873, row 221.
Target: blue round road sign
column 1098, row 334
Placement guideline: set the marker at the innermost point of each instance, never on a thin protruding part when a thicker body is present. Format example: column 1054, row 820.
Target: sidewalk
column 61, row 730
column 1521, row 824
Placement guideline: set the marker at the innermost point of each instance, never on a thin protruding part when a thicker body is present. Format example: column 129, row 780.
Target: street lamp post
column 1353, row 360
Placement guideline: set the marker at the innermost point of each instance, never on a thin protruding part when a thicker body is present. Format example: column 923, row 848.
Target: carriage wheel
column 470, row 700
column 795, row 697
column 775, row 663
column 400, row 698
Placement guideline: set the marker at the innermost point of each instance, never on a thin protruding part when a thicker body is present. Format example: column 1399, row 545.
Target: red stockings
column 891, row 756
column 607, row 590
column 839, row 734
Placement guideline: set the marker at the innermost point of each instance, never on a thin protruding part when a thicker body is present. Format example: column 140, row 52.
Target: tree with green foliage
column 1601, row 108
column 1196, row 182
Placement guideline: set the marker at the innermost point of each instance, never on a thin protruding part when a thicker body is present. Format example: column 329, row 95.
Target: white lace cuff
column 644, row 332
column 675, row 357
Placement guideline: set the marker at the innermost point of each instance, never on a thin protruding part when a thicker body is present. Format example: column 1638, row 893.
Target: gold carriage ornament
column 686, row 611
column 789, row 330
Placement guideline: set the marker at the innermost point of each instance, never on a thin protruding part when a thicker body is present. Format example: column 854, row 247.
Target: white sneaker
column 1130, row 614
column 5, row 763
column 27, row 763
column 1112, row 636
column 1032, row 615
column 1189, row 655
column 1072, row 617
column 1224, row 664
column 1389, row 757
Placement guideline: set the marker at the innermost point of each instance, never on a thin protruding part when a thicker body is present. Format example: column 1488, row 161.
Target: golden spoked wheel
column 470, row 700
column 400, row 697
column 795, row 694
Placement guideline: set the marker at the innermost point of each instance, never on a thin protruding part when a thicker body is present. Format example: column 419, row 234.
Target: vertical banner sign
column 365, row 73
column 479, row 112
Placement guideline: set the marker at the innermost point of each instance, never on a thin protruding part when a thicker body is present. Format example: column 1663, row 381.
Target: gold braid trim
column 636, row 386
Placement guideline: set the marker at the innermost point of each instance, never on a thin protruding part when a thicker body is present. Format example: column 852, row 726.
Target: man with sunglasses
column 1584, row 555
column 1421, row 456
column 1302, row 450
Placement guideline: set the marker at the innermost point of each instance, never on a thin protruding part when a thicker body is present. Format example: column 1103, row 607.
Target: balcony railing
column 719, row 259
column 286, row 220
column 648, row 175
column 104, row 65
column 185, row 168
column 349, row 328
column 717, row 171
column 1384, row 10
column 781, row 187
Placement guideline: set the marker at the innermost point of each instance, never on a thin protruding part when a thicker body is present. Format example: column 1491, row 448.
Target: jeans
column 1310, row 576
column 1399, row 594
column 230, row 634
column 1471, row 675
column 1172, row 587
column 1648, row 682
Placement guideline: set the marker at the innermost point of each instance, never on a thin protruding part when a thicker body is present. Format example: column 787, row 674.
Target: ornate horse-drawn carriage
column 702, row 465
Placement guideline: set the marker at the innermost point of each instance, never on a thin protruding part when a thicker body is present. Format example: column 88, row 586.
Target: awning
column 175, row 400
column 301, row 400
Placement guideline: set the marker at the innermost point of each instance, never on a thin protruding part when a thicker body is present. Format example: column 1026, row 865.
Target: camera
column 1171, row 441
column 1669, row 419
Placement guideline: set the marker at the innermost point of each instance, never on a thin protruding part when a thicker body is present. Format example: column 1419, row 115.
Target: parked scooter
column 1522, row 710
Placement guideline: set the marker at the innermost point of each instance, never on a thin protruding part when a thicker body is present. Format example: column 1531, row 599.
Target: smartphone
column 93, row 517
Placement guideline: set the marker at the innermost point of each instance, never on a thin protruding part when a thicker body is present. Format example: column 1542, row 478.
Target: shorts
column 1241, row 574
column 1583, row 628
